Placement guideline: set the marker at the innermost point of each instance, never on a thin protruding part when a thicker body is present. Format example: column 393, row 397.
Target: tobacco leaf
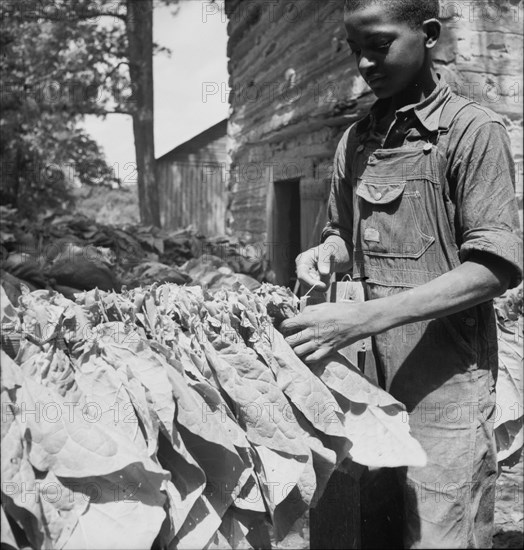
column 509, row 421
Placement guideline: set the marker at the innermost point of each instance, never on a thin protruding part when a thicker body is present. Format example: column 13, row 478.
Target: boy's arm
column 490, row 249
column 483, row 173
column 324, row 328
column 481, row 278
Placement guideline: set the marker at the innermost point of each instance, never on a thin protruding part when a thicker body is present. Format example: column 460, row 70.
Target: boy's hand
column 324, row 328
column 314, row 266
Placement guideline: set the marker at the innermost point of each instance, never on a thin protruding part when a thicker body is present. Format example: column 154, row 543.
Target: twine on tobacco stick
column 303, row 299
column 297, row 286
column 314, row 285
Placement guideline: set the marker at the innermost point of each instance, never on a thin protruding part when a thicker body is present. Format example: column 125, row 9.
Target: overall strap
column 448, row 114
column 450, row 110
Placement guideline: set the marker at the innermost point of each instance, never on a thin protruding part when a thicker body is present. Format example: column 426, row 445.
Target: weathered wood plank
column 192, row 180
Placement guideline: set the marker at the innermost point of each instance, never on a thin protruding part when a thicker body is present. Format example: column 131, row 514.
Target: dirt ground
column 509, row 508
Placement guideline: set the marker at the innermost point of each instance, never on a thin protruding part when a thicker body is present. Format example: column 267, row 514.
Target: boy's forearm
column 473, row 282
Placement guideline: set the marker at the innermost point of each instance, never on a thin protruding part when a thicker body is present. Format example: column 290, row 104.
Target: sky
column 190, row 86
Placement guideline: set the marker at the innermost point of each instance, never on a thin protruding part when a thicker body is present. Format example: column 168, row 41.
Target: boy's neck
column 416, row 93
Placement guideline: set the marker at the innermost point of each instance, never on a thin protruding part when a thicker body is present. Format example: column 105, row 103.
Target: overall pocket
column 393, row 220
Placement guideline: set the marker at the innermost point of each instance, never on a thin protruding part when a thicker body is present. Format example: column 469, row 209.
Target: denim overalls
column 443, row 370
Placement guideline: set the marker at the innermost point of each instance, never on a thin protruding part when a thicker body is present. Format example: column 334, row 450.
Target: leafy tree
column 46, row 88
column 62, row 60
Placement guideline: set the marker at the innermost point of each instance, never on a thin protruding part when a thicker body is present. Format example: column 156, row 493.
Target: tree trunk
column 139, row 27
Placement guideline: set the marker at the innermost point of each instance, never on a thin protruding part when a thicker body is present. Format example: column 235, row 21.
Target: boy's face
column 390, row 54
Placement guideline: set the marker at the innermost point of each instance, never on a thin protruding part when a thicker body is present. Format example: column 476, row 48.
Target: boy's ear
column 431, row 28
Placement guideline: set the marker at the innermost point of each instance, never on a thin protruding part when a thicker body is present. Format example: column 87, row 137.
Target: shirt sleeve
column 487, row 214
column 340, row 203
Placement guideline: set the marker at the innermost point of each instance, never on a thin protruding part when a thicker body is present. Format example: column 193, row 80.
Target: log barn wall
column 294, row 89
column 192, row 182
column 480, row 55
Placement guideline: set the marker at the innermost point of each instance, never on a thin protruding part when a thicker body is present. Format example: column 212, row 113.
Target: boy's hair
column 412, row 12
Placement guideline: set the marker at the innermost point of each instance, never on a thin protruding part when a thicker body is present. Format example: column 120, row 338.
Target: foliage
column 54, row 69
column 59, row 61
column 191, row 423
column 109, row 206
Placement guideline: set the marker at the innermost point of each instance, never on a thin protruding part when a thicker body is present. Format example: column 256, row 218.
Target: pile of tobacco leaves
column 168, row 416
column 150, row 413
column 509, row 417
column 72, row 253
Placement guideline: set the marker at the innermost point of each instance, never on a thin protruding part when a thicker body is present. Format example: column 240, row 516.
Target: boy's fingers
column 303, row 272
column 326, row 260
column 324, row 268
column 303, row 348
column 319, row 285
column 318, row 355
column 306, row 277
column 314, row 267
column 300, row 338
column 289, row 326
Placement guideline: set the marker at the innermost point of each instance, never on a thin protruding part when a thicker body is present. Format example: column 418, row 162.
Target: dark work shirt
column 479, row 170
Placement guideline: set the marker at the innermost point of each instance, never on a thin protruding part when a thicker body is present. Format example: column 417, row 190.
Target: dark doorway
column 286, row 231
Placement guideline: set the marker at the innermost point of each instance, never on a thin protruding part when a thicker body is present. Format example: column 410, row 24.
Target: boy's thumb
column 324, row 266
column 326, row 258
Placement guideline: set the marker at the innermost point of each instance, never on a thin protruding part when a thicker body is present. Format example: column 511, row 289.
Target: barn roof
column 194, row 144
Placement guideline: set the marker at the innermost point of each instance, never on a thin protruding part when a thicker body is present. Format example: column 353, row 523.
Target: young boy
column 422, row 209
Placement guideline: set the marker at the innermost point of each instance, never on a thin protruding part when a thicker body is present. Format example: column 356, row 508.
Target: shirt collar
column 428, row 111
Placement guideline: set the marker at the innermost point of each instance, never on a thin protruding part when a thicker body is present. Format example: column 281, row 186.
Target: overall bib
column 443, row 370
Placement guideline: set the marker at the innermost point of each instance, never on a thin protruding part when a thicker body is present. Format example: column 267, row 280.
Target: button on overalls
column 443, row 370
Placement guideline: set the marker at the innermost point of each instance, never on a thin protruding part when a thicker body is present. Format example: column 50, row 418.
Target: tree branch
column 67, row 17
column 117, row 112
column 114, row 69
